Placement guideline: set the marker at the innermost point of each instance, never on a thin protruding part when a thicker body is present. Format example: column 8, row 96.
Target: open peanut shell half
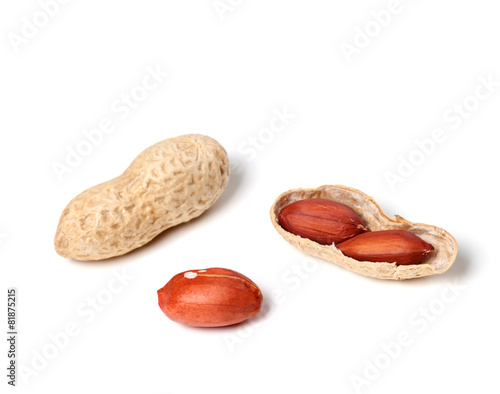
column 445, row 246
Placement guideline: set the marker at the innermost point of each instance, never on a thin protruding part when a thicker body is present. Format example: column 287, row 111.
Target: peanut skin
column 169, row 183
column 322, row 221
column 398, row 246
column 211, row 297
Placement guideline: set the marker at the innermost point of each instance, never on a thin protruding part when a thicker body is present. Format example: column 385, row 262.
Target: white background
column 356, row 118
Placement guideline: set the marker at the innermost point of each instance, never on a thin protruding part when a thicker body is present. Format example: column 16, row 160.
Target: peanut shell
column 438, row 261
column 169, row 183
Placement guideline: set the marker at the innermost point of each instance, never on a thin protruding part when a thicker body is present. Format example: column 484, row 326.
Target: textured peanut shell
column 445, row 246
column 169, row 183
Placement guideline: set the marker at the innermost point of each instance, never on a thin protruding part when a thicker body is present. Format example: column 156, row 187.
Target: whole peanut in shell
column 169, row 183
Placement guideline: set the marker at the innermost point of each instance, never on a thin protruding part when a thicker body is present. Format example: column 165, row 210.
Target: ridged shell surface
column 169, row 183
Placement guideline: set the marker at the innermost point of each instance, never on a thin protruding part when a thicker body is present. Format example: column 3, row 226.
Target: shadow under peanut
column 460, row 270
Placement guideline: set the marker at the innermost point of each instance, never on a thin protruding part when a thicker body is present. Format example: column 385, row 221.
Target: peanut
column 323, row 221
column 211, row 297
column 426, row 249
column 169, row 183
column 398, row 246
